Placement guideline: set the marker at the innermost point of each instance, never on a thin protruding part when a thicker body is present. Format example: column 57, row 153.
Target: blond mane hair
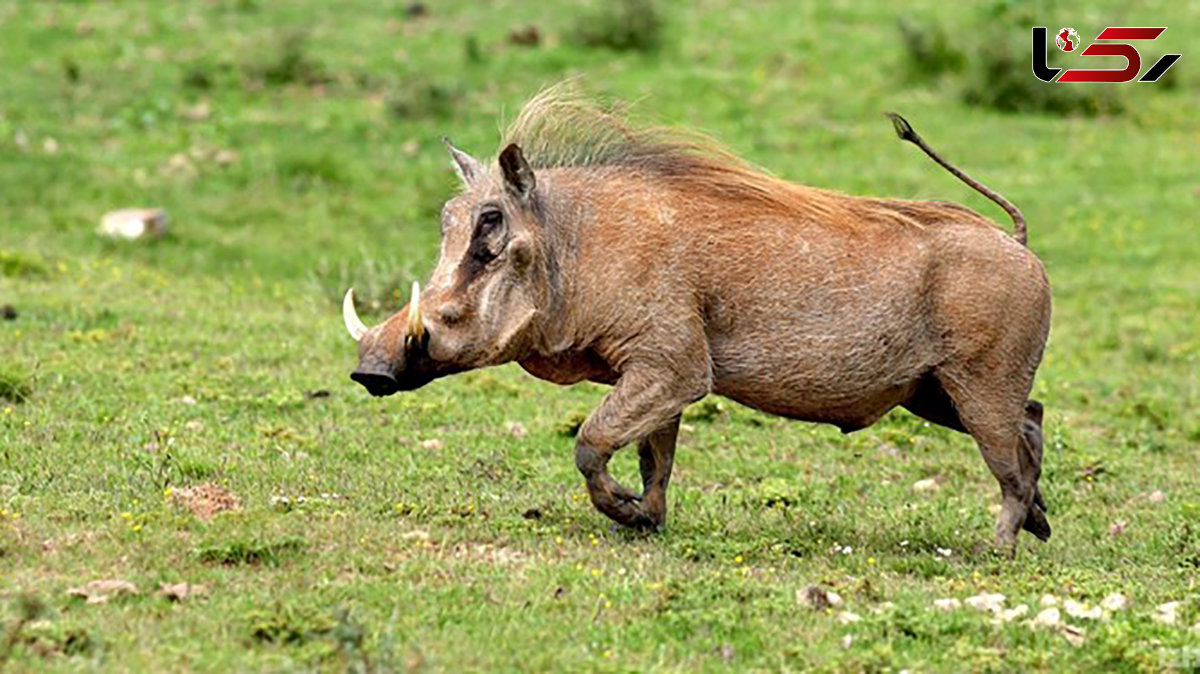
column 562, row 128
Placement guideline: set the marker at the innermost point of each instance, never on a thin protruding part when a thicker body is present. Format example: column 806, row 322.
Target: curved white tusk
column 416, row 327
column 350, row 316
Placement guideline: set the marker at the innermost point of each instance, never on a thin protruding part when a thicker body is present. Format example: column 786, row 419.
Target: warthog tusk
column 350, row 316
column 416, row 327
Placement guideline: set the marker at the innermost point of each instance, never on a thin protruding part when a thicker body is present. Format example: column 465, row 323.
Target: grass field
column 296, row 147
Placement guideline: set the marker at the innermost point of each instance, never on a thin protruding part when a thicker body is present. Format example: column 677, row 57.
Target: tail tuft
column 905, row 131
column 903, row 128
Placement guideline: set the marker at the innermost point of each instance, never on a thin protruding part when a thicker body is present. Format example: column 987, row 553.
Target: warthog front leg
column 641, row 406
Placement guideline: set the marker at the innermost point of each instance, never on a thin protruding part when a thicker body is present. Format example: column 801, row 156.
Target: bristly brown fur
column 561, row 128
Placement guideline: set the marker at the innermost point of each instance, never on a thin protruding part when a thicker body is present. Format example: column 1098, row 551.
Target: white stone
column 1050, row 617
column 847, row 617
column 1009, row 615
column 134, row 223
column 1115, row 602
column 1167, row 613
column 993, row 603
column 928, row 484
column 1080, row 610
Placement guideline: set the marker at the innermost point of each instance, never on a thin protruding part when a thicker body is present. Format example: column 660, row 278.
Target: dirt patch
column 206, row 501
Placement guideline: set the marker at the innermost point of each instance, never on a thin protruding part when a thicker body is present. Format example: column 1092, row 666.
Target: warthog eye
column 488, row 222
column 487, row 241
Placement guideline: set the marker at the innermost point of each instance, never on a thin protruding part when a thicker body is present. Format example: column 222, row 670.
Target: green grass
column 133, row 369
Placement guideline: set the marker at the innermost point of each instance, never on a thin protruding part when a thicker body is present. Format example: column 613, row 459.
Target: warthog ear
column 518, row 175
column 466, row 166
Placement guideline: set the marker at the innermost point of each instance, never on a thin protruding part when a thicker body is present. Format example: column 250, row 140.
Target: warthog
column 654, row 261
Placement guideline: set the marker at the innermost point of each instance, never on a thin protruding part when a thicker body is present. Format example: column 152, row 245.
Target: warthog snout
column 377, row 383
column 393, row 356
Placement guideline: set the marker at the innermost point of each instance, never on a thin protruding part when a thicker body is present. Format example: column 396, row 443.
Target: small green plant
column 304, row 169
column 240, row 552
column 624, row 25
column 569, row 426
column 16, row 385
column 19, row 265
column 292, row 64
column 380, row 284
column 288, row 624
column 708, row 410
column 424, row 100
column 929, row 50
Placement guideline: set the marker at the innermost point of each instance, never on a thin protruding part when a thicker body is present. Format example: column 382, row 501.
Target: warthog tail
column 905, row 131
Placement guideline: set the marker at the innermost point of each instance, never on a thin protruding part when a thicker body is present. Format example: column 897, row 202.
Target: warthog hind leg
column 656, row 453
column 1009, row 438
column 1031, row 450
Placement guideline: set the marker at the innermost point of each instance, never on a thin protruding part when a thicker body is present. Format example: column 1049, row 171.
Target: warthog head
column 485, row 291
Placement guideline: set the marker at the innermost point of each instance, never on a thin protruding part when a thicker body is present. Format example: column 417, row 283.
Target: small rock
column 525, row 36
column 181, row 591
column 1114, row 602
column 1009, row 615
column 225, row 157
column 944, row 552
column 178, row 165
column 1079, row 610
column 1073, row 635
column 198, row 112
column 432, row 443
column 817, row 597
column 889, row 450
column 1156, row 496
column 848, row 617
column 50, row 145
column 947, row 604
column 100, row 591
column 1168, row 613
column 928, row 484
column 134, row 223
column 993, row 603
column 1050, row 617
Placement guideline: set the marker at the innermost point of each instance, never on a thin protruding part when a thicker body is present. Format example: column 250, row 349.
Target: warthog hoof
column 1036, row 523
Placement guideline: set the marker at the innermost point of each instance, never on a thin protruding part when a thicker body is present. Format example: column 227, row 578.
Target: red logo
column 1068, row 41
